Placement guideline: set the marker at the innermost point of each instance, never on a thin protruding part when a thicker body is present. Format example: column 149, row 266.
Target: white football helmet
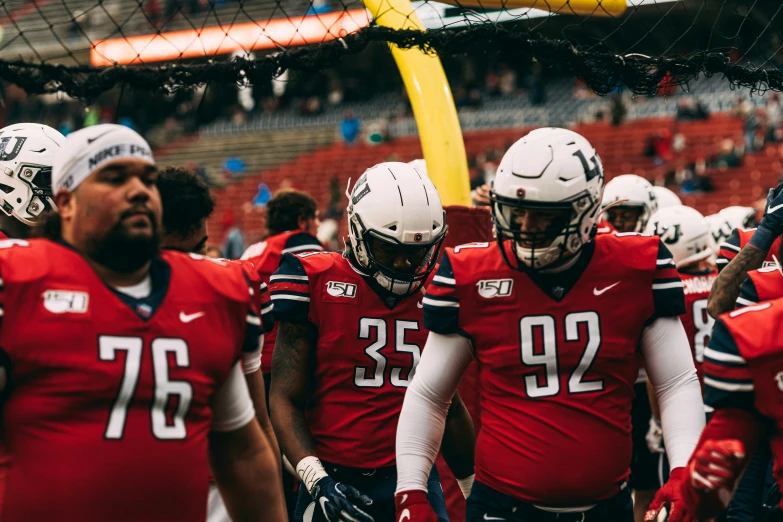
column 393, row 203
column 420, row 165
column 632, row 191
column 549, row 169
column 27, row 152
column 665, row 197
column 685, row 233
column 724, row 222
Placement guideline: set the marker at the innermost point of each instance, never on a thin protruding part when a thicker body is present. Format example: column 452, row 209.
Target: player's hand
column 654, row 436
column 413, row 506
column 669, row 498
column 480, row 196
column 712, row 473
column 340, row 502
column 773, row 213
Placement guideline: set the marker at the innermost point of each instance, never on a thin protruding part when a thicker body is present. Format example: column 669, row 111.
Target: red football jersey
column 743, row 368
column 604, row 227
column 557, row 360
column 265, row 257
column 365, row 355
column 696, row 321
column 736, row 241
column 764, row 284
column 108, row 397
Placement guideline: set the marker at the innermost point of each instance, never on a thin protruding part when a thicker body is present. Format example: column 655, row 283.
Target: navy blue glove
column 771, row 225
column 340, row 502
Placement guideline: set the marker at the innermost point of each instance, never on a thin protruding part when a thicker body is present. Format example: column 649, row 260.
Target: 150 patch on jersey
column 490, row 288
column 338, row 289
column 66, row 301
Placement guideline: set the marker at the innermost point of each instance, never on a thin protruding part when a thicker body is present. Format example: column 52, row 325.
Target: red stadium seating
column 621, row 149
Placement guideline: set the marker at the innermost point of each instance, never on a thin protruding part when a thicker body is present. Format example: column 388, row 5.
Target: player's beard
column 123, row 252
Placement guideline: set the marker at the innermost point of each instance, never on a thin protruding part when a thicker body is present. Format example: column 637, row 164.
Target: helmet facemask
column 563, row 237
column 402, row 283
column 26, row 193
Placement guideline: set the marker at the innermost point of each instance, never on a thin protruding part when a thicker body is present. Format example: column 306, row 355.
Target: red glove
column 413, row 506
column 670, row 498
column 713, row 471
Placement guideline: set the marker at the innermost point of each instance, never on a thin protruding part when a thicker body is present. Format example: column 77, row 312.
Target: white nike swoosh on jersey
column 406, row 514
column 599, row 292
column 770, row 210
column 492, row 518
column 186, row 318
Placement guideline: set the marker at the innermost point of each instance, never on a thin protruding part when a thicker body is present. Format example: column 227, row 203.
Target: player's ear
column 65, row 203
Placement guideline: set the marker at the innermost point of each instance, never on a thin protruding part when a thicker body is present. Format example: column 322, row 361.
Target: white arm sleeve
column 423, row 416
column 231, row 406
column 667, row 357
column 251, row 361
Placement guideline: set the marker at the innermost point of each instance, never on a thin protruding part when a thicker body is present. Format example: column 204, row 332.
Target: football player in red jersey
column 292, row 221
column 629, row 201
column 747, row 250
column 350, row 337
column 686, row 234
column 27, row 151
column 743, row 379
column 187, row 204
column 555, row 320
column 132, row 379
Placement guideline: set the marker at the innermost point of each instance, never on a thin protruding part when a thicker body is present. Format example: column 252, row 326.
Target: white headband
column 88, row 149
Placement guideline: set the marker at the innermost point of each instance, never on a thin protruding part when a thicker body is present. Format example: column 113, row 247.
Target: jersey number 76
column 108, row 348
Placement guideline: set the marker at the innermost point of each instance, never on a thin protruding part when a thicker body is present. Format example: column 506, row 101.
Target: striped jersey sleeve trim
column 289, row 297
column 729, row 246
column 743, row 386
column 287, row 278
column 666, row 286
column 268, row 308
column 444, row 281
column 754, row 308
column 665, row 263
column 722, row 261
column 302, row 248
column 252, row 319
column 745, row 302
column 441, row 302
column 723, row 357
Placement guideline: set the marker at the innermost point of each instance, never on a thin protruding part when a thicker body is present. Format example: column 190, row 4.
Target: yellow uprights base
column 433, row 105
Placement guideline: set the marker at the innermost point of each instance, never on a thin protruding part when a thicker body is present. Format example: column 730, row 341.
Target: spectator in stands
column 729, row 155
column 618, row 110
column 234, row 242
column 350, row 127
column 689, row 108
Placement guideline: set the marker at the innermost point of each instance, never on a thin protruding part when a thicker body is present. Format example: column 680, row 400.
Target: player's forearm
column 255, row 383
column 459, row 440
column 289, row 391
column 247, row 475
column 669, row 364
column 290, row 426
column 726, row 287
column 423, row 417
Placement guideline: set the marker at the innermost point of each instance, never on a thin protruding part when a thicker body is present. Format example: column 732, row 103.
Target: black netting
column 54, row 45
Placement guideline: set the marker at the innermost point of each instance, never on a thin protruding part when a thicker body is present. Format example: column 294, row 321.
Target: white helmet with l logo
column 394, row 204
column 27, row 152
column 685, row 232
column 548, row 170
